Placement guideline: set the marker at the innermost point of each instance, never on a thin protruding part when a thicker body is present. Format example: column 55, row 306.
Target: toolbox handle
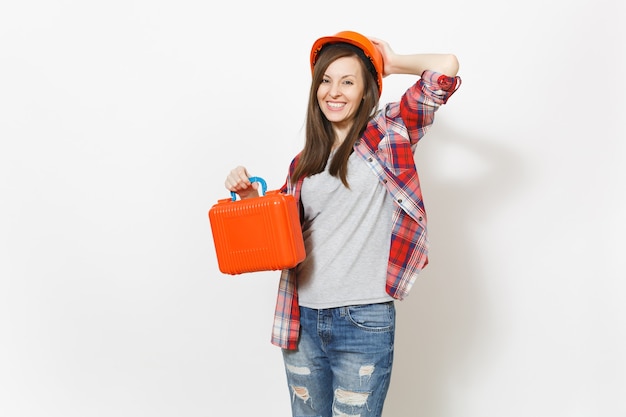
column 253, row 179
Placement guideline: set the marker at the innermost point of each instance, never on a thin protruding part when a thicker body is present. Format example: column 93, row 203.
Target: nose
column 335, row 90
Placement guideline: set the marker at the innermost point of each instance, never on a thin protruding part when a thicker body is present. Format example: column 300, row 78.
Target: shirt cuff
column 441, row 85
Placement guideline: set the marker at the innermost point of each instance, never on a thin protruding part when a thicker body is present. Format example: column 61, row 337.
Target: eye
column 348, row 82
column 325, row 80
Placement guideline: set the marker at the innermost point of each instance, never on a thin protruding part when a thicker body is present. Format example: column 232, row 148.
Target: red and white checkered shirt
column 387, row 147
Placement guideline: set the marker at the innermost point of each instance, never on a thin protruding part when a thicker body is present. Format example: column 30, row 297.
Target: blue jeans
column 342, row 366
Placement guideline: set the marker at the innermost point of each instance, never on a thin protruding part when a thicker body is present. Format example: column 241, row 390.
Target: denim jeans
column 342, row 366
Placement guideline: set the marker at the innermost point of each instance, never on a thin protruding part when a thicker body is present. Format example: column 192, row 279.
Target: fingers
column 380, row 44
column 386, row 52
column 238, row 181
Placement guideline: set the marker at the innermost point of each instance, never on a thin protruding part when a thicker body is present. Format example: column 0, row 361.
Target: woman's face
column 341, row 91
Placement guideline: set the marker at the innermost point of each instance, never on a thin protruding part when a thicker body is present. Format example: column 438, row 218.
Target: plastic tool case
column 257, row 234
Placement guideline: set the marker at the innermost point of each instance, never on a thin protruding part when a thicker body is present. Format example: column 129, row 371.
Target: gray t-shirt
column 347, row 236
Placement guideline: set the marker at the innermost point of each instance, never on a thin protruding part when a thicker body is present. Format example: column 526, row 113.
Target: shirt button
column 400, row 201
column 369, row 159
column 420, row 218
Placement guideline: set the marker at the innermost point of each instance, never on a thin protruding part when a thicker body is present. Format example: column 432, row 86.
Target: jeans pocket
column 378, row 317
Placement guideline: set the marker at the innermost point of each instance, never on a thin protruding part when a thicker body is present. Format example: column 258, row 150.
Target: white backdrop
column 119, row 121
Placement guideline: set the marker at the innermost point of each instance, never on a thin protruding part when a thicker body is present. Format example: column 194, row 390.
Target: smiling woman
column 364, row 228
column 340, row 95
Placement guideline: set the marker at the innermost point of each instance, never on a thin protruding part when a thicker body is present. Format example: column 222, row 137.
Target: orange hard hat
column 358, row 40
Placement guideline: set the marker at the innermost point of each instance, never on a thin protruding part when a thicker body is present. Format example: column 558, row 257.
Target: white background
column 119, row 121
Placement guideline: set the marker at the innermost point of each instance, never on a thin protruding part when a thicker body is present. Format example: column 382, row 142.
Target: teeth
column 335, row 105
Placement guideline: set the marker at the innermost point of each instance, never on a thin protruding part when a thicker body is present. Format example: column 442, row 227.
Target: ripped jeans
column 342, row 366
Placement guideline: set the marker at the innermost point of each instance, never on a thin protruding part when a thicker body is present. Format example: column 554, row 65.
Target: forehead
column 347, row 65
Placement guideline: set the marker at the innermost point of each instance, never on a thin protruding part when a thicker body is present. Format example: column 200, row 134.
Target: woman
column 363, row 222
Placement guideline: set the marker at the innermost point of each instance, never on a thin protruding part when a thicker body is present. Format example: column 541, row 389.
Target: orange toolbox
column 257, row 234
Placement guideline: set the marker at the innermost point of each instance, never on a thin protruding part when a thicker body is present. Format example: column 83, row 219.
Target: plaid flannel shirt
column 387, row 147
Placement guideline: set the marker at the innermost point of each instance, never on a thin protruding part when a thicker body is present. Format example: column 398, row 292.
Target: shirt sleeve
column 287, row 186
column 420, row 102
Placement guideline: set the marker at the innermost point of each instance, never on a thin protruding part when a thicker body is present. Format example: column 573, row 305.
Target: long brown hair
column 319, row 132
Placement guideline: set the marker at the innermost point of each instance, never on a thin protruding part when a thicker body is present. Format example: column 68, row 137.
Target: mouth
column 335, row 106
